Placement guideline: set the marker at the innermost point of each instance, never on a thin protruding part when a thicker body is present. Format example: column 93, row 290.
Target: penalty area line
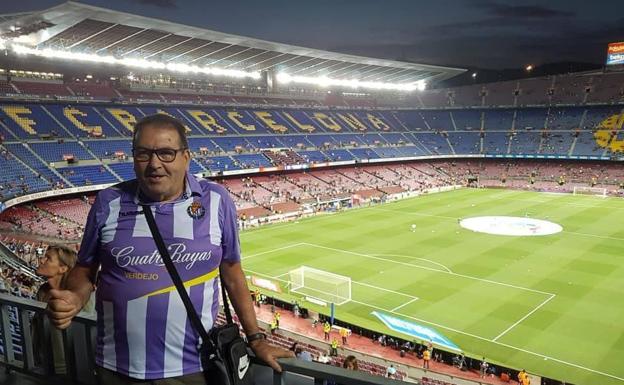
column 271, row 251
column 405, row 304
column 523, row 318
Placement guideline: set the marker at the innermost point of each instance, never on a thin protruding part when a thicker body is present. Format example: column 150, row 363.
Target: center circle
column 514, row 226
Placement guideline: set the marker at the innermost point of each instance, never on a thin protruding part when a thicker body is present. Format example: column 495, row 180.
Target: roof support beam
column 269, row 59
column 374, row 68
column 120, row 40
column 342, row 69
column 326, row 68
column 229, row 56
column 210, row 53
column 145, row 45
column 410, row 74
column 251, row 57
column 312, row 66
column 388, row 78
column 390, row 69
column 166, row 48
column 191, row 50
column 283, row 61
column 92, row 35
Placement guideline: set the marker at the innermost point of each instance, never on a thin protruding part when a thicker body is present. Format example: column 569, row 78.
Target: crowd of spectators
column 31, row 219
column 18, row 283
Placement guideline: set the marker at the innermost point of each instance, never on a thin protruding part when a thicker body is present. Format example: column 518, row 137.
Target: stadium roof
column 82, row 28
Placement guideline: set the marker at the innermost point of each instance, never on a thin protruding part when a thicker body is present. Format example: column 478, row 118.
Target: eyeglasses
column 166, row 155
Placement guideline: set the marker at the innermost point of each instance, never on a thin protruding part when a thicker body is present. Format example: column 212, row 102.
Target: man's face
column 159, row 180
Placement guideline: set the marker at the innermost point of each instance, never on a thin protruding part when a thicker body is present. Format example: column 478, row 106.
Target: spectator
column 334, row 347
column 350, row 363
column 296, row 309
column 391, row 371
column 277, row 317
column 523, row 377
column 181, row 202
column 324, row 358
column 326, row 330
column 54, row 265
column 304, row 355
column 344, row 332
column 426, row 358
column 483, row 368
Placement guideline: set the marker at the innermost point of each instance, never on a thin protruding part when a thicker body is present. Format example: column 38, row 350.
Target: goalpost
column 320, row 284
column 597, row 191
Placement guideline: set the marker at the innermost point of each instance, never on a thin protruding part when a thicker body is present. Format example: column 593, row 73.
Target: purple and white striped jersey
column 142, row 327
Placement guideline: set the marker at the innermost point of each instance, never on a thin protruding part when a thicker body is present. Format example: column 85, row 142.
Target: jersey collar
column 191, row 188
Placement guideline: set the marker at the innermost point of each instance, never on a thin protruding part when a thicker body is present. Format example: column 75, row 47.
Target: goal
column 597, row 191
column 320, row 284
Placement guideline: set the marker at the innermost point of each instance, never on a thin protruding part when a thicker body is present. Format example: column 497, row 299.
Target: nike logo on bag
column 243, row 366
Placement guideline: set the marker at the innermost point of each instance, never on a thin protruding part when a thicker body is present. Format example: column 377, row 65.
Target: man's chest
column 192, row 236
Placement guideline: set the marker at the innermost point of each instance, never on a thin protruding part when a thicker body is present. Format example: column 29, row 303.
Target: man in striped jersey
column 143, row 332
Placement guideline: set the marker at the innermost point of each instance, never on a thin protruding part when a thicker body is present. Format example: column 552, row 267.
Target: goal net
column 597, row 191
column 320, row 284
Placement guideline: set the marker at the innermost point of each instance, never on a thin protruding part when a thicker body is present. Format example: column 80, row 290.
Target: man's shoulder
column 207, row 186
column 125, row 188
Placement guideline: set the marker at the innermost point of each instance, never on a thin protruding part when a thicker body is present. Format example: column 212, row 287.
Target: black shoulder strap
column 177, row 281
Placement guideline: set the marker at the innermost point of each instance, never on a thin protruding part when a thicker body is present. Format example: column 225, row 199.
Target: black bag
column 223, row 352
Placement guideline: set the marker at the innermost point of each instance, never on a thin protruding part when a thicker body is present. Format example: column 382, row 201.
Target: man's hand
column 63, row 305
column 269, row 353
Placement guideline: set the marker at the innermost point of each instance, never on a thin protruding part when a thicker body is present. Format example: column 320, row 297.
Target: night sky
column 485, row 34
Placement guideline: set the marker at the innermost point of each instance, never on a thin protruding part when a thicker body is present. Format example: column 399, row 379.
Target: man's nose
column 153, row 161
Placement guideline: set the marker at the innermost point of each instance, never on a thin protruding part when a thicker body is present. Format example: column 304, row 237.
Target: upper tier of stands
column 571, row 89
column 54, row 145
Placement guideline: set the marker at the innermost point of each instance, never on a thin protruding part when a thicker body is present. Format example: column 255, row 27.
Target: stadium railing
column 79, row 348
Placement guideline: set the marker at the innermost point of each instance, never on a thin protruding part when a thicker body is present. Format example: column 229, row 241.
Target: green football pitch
column 552, row 304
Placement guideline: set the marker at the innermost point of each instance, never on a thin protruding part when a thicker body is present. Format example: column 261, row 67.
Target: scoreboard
column 615, row 53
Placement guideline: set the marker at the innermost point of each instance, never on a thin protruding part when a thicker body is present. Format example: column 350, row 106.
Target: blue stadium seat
column 87, row 175
column 106, row 149
column 496, row 142
column 56, row 152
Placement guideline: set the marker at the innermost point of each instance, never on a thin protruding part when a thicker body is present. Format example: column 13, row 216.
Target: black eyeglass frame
column 158, row 152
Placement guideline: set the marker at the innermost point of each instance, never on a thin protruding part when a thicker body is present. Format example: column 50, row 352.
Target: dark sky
column 486, row 34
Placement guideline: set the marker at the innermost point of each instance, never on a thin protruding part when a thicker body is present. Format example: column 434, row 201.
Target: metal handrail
column 79, row 350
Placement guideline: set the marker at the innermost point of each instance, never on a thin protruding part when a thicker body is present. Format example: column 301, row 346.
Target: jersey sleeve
column 230, row 240
column 88, row 254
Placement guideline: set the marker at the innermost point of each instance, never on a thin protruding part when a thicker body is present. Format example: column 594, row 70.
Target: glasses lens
column 141, row 155
column 166, row 154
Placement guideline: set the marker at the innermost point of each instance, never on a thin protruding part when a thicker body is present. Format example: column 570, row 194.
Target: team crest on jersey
column 196, row 210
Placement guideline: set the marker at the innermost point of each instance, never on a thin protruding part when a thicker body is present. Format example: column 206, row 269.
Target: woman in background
column 54, row 265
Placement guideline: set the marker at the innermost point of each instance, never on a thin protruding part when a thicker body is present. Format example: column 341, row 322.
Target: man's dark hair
column 160, row 120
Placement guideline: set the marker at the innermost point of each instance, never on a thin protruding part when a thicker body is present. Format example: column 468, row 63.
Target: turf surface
column 551, row 304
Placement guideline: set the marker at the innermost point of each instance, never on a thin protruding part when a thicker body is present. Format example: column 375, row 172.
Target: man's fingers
column 56, row 305
column 62, row 307
column 58, row 315
column 273, row 364
column 281, row 353
column 269, row 354
column 62, row 325
column 274, row 353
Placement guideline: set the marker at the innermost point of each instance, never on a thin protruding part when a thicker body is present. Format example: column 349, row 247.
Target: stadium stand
column 43, row 88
